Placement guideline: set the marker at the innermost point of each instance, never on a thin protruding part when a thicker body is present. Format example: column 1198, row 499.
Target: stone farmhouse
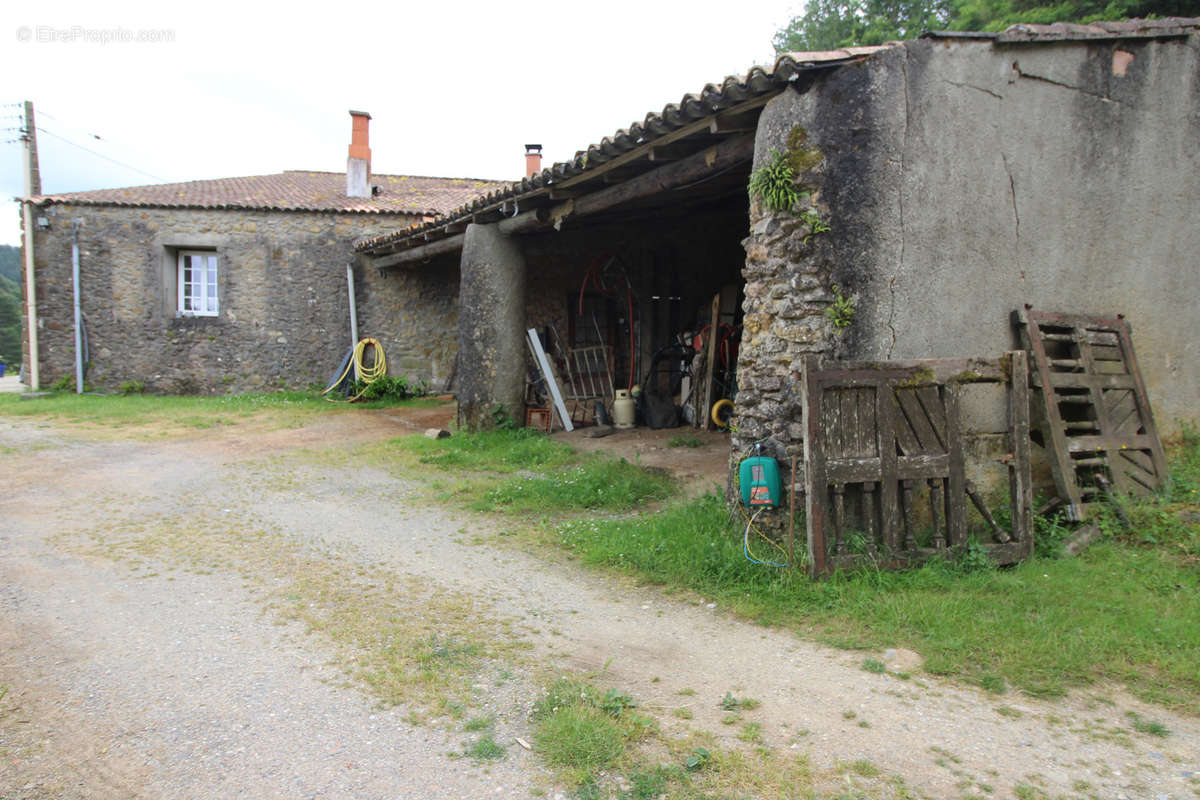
column 943, row 183
column 240, row 284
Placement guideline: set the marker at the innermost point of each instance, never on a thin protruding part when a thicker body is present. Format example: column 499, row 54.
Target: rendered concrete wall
column 963, row 179
column 491, row 330
column 284, row 314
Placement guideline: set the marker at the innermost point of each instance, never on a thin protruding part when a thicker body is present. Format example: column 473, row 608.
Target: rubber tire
column 717, row 408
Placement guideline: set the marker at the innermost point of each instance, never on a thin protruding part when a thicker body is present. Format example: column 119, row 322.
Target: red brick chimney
column 533, row 159
column 358, row 165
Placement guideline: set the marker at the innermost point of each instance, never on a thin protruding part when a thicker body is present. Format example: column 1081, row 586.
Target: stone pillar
column 790, row 266
column 491, row 329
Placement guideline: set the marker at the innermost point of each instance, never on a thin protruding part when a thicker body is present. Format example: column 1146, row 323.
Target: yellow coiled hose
column 366, row 375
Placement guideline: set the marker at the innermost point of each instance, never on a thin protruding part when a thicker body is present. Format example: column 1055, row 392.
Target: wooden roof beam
column 699, row 126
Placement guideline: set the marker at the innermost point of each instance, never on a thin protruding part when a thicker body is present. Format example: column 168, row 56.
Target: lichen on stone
column 800, row 157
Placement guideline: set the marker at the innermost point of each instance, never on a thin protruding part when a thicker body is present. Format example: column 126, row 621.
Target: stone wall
column 284, row 313
column 413, row 311
column 960, row 180
column 1062, row 175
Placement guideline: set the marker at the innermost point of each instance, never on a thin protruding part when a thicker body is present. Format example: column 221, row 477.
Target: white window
column 197, row 283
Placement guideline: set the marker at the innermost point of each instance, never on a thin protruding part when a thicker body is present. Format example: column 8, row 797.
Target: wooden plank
column 1087, row 444
column 868, row 514
column 956, row 490
column 548, row 374
column 1020, row 482
column 931, row 403
column 639, row 153
column 906, row 507
column 1141, row 459
column 937, row 509
column 447, row 245
column 1077, row 380
column 1053, row 433
column 866, row 421
column 729, row 153
column 929, row 371
column 741, row 123
column 815, row 491
column 710, row 349
column 831, row 431
column 791, row 533
column 1099, row 407
column 848, row 422
column 1124, row 415
column 885, row 437
column 1157, row 453
column 521, row 223
column 857, row 470
column 927, row 440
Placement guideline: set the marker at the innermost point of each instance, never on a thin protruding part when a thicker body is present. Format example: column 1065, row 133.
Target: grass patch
column 731, row 703
column 479, row 724
column 862, row 767
column 603, row 749
column 180, row 411
column 1147, row 725
column 580, row 730
column 485, row 749
column 503, row 451
column 180, row 415
column 599, row 482
column 1123, row 611
column 535, row 473
column 874, row 665
column 684, row 440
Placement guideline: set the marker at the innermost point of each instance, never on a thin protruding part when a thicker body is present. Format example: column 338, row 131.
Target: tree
column 10, row 321
column 830, row 24
column 10, row 262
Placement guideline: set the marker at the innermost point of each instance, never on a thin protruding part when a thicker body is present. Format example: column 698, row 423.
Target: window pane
column 198, row 283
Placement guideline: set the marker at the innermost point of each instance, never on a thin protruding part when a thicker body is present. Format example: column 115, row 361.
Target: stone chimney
column 358, row 165
column 533, row 159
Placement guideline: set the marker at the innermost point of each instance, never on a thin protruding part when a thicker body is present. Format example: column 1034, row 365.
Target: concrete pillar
column 491, row 328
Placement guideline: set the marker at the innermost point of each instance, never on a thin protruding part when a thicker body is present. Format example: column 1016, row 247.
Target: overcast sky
column 187, row 91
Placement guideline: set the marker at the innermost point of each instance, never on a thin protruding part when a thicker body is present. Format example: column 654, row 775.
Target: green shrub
column 390, row 389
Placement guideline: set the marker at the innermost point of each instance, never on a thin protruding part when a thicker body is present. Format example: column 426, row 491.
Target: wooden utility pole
column 33, row 188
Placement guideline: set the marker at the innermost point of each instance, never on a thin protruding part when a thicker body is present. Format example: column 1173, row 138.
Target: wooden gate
column 1097, row 423
column 882, row 438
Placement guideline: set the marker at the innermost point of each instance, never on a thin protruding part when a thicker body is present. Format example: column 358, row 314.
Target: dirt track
column 128, row 677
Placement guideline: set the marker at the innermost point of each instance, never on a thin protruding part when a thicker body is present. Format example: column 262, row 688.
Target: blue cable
column 746, row 546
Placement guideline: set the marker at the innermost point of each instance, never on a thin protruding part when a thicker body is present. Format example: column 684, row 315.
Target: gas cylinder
column 623, row 409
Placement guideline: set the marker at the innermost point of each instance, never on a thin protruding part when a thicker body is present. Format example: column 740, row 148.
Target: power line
column 101, row 155
column 95, row 136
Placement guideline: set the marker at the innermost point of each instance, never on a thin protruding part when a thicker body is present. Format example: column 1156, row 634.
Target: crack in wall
column 1041, row 79
column 996, row 95
column 900, row 202
column 1012, row 192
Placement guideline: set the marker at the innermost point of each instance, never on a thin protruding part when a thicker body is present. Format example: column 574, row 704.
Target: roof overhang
column 704, row 136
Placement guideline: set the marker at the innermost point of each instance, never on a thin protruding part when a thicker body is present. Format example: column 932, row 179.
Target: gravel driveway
column 134, row 671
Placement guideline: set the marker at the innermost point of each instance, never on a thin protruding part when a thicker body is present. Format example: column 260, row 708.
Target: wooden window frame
column 183, row 296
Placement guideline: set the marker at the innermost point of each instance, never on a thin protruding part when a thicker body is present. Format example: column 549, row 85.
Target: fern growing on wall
column 774, row 184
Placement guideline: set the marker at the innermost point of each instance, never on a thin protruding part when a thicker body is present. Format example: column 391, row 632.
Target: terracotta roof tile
column 294, row 190
column 1067, row 31
column 713, row 98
